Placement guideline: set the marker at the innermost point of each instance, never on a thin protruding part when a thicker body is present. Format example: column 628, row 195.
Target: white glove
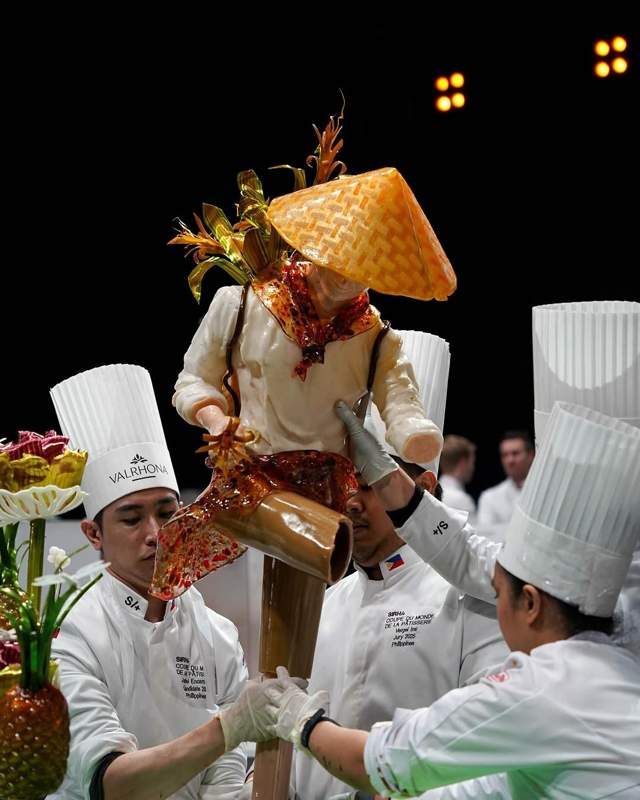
column 295, row 707
column 252, row 717
column 355, row 795
column 371, row 460
column 246, row 791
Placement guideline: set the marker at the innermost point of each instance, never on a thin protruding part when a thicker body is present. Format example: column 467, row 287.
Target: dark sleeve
column 401, row 515
column 95, row 790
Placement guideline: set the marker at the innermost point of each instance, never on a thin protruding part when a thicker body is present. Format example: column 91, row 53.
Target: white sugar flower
column 88, row 571
column 58, row 558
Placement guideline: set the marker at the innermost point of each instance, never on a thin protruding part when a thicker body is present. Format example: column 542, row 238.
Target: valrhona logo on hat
column 141, row 469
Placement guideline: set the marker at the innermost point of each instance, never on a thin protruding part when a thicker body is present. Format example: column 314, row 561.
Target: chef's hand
column 246, row 791
column 375, row 466
column 252, row 717
column 370, row 458
column 295, row 707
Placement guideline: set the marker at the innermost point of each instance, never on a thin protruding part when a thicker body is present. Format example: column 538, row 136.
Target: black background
column 115, row 126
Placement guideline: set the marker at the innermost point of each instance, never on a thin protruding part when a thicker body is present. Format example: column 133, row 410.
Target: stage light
column 619, row 44
column 610, row 62
column 619, row 65
column 445, row 102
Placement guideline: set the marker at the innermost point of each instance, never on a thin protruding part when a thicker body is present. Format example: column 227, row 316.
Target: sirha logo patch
column 140, row 469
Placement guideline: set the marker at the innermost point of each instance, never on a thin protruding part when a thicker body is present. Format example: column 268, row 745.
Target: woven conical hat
column 368, row 228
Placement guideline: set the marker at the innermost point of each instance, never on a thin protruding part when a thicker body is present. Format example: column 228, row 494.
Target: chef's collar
column 394, row 565
column 128, row 599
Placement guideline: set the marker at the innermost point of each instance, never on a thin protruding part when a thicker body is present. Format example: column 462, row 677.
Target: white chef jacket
column 444, row 539
column 628, row 607
column 495, row 508
column 291, row 414
column 563, row 722
column 455, row 496
column 403, row 641
column 132, row 684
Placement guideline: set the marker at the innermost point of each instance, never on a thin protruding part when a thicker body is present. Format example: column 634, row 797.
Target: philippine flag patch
column 394, row 562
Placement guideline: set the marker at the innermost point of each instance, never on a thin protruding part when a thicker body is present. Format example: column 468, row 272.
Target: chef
column 144, row 680
column 560, row 719
column 586, row 353
column 394, row 633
